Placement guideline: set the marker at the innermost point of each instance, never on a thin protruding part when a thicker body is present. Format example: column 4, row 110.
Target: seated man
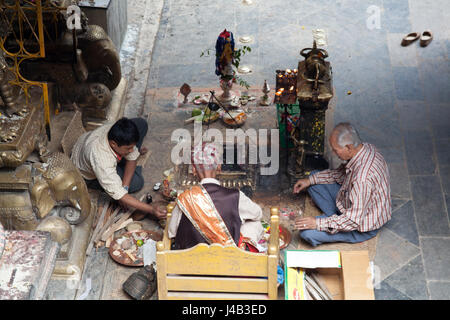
column 355, row 198
column 210, row 213
column 107, row 159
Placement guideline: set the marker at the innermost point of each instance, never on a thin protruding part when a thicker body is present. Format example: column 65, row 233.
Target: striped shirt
column 364, row 198
column 95, row 159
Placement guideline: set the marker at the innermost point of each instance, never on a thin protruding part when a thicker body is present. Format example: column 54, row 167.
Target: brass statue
column 31, row 192
column 314, row 92
column 60, row 184
column 47, row 192
column 8, row 94
column 82, row 67
column 314, row 76
column 300, row 156
column 22, row 134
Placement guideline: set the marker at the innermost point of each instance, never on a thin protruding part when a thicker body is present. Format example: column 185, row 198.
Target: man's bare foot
column 143, row 150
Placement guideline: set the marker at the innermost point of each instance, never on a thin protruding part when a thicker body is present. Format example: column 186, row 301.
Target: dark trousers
column 137, row 181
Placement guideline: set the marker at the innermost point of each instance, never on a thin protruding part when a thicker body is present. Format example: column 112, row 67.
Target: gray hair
column 346, row 134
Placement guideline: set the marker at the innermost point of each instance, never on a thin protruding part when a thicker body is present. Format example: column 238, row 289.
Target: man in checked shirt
column 355, row 198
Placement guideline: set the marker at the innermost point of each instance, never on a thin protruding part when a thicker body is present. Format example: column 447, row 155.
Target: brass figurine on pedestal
column 314, row 82
column 224, row 65
column 25, row 132
column 314, row 92
column 8, row 94
column 265, row 99
column 185, row 90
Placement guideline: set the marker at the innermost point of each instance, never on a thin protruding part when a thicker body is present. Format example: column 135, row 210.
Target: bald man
column 355, row 198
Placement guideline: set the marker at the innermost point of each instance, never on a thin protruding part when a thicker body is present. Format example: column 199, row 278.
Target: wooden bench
column 217, row 272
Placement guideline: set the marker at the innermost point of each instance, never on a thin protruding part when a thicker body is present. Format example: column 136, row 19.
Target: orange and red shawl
column 199, row 208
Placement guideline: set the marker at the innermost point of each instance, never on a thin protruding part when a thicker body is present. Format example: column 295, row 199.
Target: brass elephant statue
column 60, row 184
column 72, row 65
column 48, row 196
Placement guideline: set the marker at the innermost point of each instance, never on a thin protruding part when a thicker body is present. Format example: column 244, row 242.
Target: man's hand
column 124, row 205
column 305, row 223
column 301, row 185
column 132, row 202
column 159, row 213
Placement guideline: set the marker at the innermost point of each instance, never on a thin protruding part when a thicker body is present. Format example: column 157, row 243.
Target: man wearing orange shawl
column 209, row 213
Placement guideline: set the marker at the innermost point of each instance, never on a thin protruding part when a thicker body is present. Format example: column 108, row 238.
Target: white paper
column 313, row 259
column 149, row 252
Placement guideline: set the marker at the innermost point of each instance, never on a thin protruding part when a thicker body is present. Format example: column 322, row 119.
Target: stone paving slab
column 393, row 252
column 436, row 256
column 410, row 280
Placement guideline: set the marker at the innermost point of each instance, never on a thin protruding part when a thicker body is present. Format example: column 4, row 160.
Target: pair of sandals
column 425, row 38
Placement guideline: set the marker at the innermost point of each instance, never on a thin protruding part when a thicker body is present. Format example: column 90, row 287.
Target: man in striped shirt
column 355, row 198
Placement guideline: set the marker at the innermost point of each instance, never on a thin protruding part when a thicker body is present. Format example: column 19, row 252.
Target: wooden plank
column 312, row 292
column 94, row 270
column 107, row 224
column 314, row 289
column 238, row 262
column 97, row 228
column 215, row 296
column 97, row 216
column 114, row 277
column 120, row 224
column 166, row 242
column 109, row 230
column 273, row 251
column 161, row 274
column 321, row 286
column 272, row 264
column 216, row 284
column 356, row 275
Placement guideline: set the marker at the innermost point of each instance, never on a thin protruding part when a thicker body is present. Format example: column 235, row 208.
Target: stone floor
column 399, row 101
column 397, row 97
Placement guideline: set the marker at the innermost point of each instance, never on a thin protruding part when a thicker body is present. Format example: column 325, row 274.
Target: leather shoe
column 410, row 38
column 426, row 38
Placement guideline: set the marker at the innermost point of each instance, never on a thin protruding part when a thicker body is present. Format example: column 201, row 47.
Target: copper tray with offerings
column 126, row 249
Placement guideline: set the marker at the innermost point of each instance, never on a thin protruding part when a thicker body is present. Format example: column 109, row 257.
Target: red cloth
column 224, row 34
column 118, row 156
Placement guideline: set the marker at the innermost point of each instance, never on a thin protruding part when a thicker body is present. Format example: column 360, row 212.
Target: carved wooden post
column 161, row 261
column 273, row 250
